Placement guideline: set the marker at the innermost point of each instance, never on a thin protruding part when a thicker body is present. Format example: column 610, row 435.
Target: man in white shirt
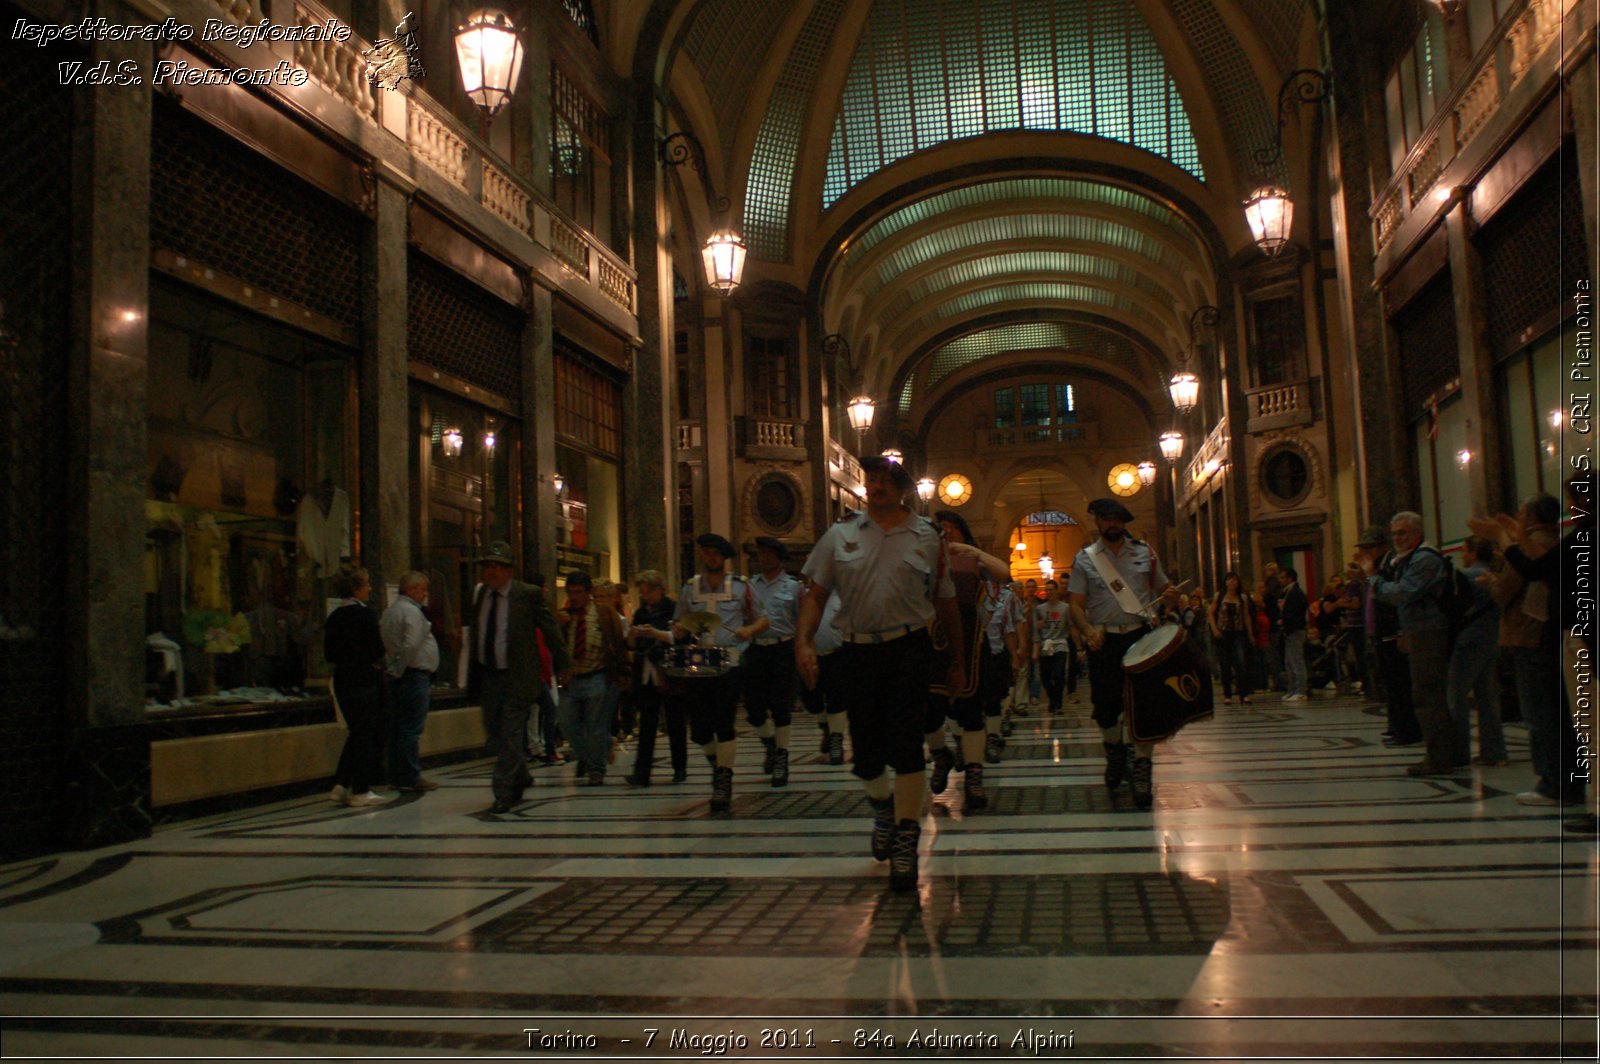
column 411, row 660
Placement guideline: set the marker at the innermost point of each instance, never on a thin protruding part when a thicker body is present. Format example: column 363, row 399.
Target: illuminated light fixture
column 1556, row 420
column 861, row 493
column 1463, row 457
column 451, row 442
column 1047, row 566
column 560, row 483
column 895, row 455
column 1021, row 547
column 724, row 253
column 1445, row 7
column 489, row 437
column 1269, row 210
column 1172, row 445
column 723, row 257
column 1185, row 389
column 1147, row 472
column 1123, row 480
column 925, row 489
column 490, row 55
column 860, row 412
column 955, row 489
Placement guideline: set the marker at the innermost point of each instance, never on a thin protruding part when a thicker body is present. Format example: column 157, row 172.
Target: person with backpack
column 1418, row 591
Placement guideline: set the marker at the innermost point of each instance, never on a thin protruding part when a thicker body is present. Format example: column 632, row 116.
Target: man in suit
column 503, row 671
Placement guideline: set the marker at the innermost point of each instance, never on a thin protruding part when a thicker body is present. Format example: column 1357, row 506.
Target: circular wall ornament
column 1124, row 480
column 775, row 502
column 955, row 490
column 1285, row 474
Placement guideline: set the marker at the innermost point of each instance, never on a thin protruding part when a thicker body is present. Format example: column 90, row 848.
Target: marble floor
column 1292, row 895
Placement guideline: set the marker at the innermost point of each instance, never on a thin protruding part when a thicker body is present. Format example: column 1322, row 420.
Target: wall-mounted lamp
column 1147, row 472
column 1269, row 210
column 489, row 436
column 1172, row 445
column 724, row 253
column 560, row 484
column 925, row 489
column 895, row 455
column 863, row 407
column 1463, row 458
column 489, row 53
column 451, row 442
column 1185, row 384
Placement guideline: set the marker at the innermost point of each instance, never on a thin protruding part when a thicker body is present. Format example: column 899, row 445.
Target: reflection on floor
column 1292, row 894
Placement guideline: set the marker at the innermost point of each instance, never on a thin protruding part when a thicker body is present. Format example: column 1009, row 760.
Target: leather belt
column 1122, row 629
column 874, row 638
column 774, row 642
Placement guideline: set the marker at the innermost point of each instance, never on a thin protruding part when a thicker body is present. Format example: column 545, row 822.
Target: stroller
column 1330, row 661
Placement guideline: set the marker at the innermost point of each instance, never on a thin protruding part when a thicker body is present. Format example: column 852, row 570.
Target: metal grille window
column 578, row 150
column 588, row 406
column 769, row 377
column 1277, row 342
column 455, row 326
column 927, row 73
column 1544, row 222
column 1035, row 402
column 1426, row 328
column 1005, row 410
column 582, row 16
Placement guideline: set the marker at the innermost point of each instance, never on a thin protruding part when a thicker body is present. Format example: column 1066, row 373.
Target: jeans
column 1035, row 681
column 409, row 694
column 1053, row 670
column 1294, row 661
column 1233, row 654
column 1472, row 671
column 586, row 720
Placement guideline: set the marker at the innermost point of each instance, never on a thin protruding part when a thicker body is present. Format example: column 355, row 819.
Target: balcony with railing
column 1210, row 459
column 844, row 466
column 1281, row 406
column 1496, row 77
column 783, row 439
column 690, row 436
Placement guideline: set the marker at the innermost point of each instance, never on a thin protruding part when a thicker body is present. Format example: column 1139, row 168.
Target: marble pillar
column 385, row 426
column 1582, row 88
column 541, row 512
column 1235, row 407
column 1486, row 472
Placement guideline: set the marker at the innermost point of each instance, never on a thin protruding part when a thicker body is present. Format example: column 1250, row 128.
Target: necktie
column 491, row 632
column 580, row 636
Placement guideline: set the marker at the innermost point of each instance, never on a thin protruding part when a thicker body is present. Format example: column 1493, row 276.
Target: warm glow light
column 1185, row 389
column 861, row 493
column 488, row 440
column 1126, row 479
column 1172, row 445
column 490, row 54
column 1555, row 420
column 1147, row 472
column 1446, row 7
column 955, row 489
column 860, row 412
column 1463, row 457
column 1021, row 547
column 724, row 260
column 560, row 483
column 451, row 441
column 1270, row 213
column 894, row 455
column 1047, row 566
column 925, row 488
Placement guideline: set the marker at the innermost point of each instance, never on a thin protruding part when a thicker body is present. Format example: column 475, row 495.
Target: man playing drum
column 1112, row 580
column 713, row 700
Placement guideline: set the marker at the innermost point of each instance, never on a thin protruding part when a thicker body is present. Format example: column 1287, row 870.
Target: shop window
column 769, row 376
column 1418, row 82
column 686, row 519
column 1035, row 403
column 1534, row 416
column 1443, row 463
column 588, row 406
column 251, row 495
column 1005, row 411
column 590, row 533
column 1277, row 342
column 579, row 159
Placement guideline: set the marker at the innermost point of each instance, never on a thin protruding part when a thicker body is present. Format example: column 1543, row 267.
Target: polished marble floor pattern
column 1293, row 894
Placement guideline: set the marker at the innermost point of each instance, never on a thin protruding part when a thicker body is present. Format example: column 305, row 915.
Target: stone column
column 1235, row 407
column 541, row 512
column 107, row 779
column 1582, row 88
column 385, row 428
column 1486, row 472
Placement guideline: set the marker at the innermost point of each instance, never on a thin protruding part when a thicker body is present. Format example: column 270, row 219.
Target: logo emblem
column 1186, row 686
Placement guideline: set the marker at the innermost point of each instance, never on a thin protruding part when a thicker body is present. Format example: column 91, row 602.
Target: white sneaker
column 1295, row 698
column 339, row 795
column 369, row 798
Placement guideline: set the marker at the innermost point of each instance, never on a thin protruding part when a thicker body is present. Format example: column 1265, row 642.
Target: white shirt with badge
column 886, row 580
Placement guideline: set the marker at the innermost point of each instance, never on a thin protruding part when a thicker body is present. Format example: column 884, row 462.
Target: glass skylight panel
column 932, row 72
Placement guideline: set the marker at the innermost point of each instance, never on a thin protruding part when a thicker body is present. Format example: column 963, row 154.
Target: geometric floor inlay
column 979, row 915
column 1004, row 800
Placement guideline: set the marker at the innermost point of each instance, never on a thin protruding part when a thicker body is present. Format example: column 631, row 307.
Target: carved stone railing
column 335, row 65
column 776, row 433
column 843, row 465
column 569, row 245
column 1499, row 67
column 614, row 282
column 240, row 11
column 761, row 437
column 1282, row 405
column 1210, row 458
column 691, row 435
column 1036, row 438
column 506, row 199
column 435, row 143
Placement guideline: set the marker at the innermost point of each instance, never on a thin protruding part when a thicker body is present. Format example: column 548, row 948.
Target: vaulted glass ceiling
column 1044, row 336
column 930, row 71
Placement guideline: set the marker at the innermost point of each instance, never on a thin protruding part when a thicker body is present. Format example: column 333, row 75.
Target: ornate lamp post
column 723, row 253
column 1268, row 209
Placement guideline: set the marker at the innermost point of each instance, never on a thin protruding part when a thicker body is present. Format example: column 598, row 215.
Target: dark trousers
column 1428, row 659
column 1396, row 671
column 651, row 702
column 710, row 703
column 1107, row 687
column 995, row 677
column 359, row 761
column 885, row 688
column 1233, row 655
column 409, row 694
column 769, row 683
column 505, row 730
column 1053, row 674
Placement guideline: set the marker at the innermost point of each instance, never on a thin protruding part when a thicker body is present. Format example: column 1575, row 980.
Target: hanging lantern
column 860, row 412
column 490, row 54
column 1185, row 388
column 451, row 442
column 1147, row 472
column 895, row 455
column 559, row 482
column 1047, row 566
column 1172, row 445
column 724, row 260
column 925, row 489
column 1270, row 212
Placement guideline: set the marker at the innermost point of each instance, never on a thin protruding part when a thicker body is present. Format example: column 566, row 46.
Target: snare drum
column 688, row 661
column 1168, row 684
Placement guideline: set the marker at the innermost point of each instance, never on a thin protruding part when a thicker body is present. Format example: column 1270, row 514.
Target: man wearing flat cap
column 503, row 670
column 769, row 664
column 1112, row 578
column 892, row 575
column 711, row 701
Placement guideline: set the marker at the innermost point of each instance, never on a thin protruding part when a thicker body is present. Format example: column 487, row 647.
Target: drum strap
column 1125, row 595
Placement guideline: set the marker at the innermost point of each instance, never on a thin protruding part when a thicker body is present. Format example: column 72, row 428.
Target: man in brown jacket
column 503, row 670
column 599, row 660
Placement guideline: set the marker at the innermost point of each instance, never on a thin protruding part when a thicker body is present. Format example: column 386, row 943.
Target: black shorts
column 885, row 688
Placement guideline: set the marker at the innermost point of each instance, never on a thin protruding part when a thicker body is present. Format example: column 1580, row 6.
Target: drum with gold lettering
column 1168, row 684
column 690, row 661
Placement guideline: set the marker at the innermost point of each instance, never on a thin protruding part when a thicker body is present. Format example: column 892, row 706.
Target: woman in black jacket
column 354, row 646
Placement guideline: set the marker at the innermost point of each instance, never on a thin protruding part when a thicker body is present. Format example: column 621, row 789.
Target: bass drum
column 1168, row 684
column 688, row 661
